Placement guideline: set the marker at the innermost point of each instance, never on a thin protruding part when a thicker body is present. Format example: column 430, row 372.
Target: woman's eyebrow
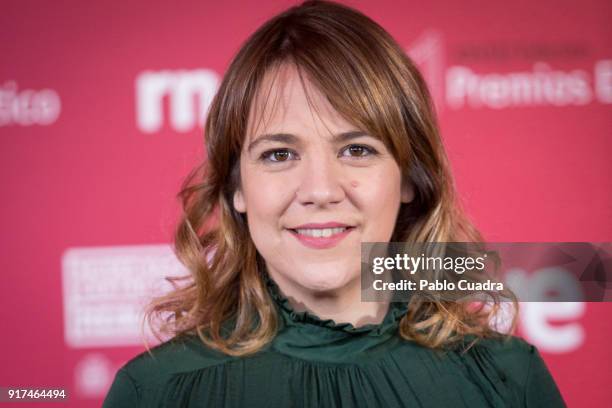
column 293, row 139
column 276, row 137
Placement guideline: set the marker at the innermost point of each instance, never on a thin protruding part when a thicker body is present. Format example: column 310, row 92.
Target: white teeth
column 321, row 232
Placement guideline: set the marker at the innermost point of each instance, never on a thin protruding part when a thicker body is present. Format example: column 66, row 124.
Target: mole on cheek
column 354, row 183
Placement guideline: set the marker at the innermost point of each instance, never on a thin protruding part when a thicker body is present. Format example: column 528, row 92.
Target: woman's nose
column 321, row 182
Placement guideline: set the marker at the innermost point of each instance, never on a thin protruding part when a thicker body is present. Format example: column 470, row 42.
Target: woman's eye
column 277, row 155
column 358, row 151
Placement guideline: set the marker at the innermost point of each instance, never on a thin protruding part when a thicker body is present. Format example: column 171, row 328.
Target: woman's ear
column 407, row 192
column 239, row 203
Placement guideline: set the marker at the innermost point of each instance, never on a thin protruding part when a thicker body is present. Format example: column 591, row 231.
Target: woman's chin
column 325, row 282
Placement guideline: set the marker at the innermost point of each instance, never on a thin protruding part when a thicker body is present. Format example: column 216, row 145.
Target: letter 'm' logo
column 188, row 95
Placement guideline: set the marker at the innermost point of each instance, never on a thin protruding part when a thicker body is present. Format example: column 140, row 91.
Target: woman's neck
column 342, row 306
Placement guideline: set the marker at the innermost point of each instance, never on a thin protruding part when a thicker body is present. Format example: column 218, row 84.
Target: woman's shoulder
column 506, row 345
column 519, row 364
column 178, row 355
column 512, row 354
column 151, row 373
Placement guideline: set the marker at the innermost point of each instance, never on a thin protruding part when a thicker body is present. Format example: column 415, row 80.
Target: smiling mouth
column 320, row 232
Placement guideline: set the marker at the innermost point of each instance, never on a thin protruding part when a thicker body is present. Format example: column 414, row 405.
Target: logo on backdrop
column 427, row 52
column 105, row 290
column 28, row 107
column 542, row 85
column 185, row 95
column 463, row 85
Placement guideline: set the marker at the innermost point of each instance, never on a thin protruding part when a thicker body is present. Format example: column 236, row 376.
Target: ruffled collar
column 309, row 321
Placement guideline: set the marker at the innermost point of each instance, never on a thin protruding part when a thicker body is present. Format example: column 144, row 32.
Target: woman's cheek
column 271, row 196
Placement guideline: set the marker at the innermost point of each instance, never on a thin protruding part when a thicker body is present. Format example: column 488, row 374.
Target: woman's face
column 313, row 188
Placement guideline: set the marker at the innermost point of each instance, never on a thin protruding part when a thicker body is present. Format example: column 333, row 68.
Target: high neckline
column 309, row 321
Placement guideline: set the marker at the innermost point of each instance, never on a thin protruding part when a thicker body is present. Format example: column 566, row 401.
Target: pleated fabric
column 320, row 363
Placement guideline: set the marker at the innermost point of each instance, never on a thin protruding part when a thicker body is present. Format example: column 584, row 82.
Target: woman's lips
column 321, row 242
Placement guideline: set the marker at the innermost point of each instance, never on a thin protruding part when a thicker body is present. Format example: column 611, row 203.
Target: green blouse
column 321, row 363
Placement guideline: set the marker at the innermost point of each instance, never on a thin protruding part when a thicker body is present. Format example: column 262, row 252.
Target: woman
column 321, row 136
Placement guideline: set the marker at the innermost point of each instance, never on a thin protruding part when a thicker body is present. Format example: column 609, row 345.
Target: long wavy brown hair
column 367, row 78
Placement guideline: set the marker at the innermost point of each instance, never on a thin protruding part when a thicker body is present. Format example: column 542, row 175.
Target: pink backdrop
column 100, row 120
